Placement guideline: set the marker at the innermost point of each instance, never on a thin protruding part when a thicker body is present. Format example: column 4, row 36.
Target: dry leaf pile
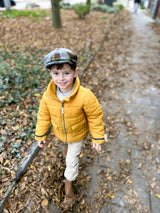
column 75, row 33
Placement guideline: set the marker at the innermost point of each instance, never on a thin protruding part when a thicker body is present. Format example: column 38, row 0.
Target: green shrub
column 81, row 10
column 120, row 6
column 65, row 6
column 104, row 8
column 21, row 75
column 142, row 7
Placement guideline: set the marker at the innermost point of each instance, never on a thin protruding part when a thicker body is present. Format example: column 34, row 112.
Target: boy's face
column 63, row 78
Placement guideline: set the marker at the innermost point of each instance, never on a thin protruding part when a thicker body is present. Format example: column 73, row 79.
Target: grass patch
column 142, row 7
column 23, row 13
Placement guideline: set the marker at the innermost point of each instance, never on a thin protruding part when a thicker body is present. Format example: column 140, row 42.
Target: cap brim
column 57, row 62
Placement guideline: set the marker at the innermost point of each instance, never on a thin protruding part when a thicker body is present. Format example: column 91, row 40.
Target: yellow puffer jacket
column 72, row 118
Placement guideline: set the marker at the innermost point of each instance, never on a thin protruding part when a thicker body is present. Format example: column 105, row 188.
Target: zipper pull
column 63, row 108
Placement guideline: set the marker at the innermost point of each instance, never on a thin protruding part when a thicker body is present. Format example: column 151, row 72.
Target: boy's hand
column 97, row 146
column 41, row 143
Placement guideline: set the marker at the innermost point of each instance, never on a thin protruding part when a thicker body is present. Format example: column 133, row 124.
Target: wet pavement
column 131, row 161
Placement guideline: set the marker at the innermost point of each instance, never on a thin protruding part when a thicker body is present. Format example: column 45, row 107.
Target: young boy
column 72, row 110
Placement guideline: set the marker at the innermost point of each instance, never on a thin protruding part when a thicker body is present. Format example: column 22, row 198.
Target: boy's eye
column 55, row 73
column 67, row 73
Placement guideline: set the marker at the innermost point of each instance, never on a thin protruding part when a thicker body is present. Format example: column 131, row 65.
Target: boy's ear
column 76, row 72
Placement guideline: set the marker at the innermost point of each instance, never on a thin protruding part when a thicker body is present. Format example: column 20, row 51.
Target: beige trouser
column 72, row 160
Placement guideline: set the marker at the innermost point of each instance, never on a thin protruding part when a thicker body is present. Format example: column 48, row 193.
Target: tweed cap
column 59, row 56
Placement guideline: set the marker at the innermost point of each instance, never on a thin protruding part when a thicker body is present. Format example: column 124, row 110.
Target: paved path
column 136, row 150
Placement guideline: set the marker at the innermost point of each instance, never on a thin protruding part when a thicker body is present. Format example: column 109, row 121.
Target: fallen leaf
column 31, row 166
column 1, row 159
column 158, row 195
column 153, row 185
column 22, row 186
column 20, row 204
column 107, row 159
column 105, row 138
column 44, row 203
column 15, row 127
column 37, row 95
column 139, row 165
column 49, row 168
column 129, row 181
column 7, row 205
column 111, row 196
column 129, row 124
column 81, row 155
column 43, row 191
column 22, row 180
column 18, row 141
column 108, row 177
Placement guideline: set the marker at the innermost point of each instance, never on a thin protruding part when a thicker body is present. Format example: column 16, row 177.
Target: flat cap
column 60, row 56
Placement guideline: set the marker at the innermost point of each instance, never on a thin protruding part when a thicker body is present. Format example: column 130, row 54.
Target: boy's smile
column 64, row 77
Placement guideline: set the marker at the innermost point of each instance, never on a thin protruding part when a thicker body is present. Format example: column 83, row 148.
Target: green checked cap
column 60, row 56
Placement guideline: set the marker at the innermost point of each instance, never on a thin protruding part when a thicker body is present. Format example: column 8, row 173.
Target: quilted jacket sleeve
column 94, row 115
column 43, row 120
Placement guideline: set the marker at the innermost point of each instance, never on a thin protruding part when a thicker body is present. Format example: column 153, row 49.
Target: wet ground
column 130, row 164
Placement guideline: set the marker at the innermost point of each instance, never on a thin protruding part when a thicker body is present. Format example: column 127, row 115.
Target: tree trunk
column 101, row 2
column 89, row 2
column 7, row 4
column 56, row 19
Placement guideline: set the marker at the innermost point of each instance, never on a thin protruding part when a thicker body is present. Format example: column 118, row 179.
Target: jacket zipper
column 64, row 121
column 62, row 116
